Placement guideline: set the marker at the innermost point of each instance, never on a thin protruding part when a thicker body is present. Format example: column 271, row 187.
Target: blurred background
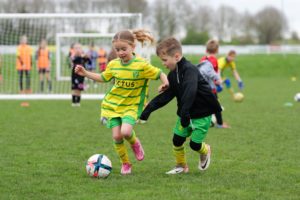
column 235, row 22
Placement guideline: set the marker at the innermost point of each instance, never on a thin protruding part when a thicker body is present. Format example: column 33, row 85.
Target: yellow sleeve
column 107, row 74
column 233, row 65
column 151, row 72
column 221, row 63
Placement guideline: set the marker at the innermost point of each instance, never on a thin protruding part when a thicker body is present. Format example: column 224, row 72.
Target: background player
column 43, row 60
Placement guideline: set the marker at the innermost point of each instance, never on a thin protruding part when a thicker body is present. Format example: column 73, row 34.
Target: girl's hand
column 163, row 87
column 80, row 70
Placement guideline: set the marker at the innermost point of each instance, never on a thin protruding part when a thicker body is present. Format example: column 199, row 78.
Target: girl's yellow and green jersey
column 223, row 64
column 127, row 96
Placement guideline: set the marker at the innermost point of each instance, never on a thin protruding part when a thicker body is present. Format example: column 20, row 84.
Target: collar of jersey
column 126, row 64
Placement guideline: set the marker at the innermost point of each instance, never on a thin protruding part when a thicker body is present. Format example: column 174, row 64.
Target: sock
column 121, row 151
column 132, row 138
column 50, row 86
column 73, row 99
column 204, row 149
column 78, row 99
column 179, row 154
column 42, row 86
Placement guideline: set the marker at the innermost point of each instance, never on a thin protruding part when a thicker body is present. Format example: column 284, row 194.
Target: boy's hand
column 163, row 87
column 185, row 121
column 241, row 84
column 227, row 82
column 219, row 88
column 80, row 70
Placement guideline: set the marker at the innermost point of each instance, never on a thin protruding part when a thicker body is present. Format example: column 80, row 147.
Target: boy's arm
column 158, row 102
column 238, row 78
column 208, row 69
column 190, row 86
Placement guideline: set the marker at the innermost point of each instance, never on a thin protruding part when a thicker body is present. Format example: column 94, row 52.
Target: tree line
column 190, row 20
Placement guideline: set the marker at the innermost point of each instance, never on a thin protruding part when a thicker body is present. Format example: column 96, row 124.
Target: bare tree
column 199, row 18
column 270, row 24
column 226, row 22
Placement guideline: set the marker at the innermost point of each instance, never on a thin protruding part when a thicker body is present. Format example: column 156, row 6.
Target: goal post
column 60, row 51
column 59, row 30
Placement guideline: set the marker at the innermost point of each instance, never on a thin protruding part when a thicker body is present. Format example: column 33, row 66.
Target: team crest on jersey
column 135, row 74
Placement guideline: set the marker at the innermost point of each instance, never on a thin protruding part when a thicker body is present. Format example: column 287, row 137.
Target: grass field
column 43, row 148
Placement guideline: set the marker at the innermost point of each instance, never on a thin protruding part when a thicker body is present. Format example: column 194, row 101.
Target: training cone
column 24, row 104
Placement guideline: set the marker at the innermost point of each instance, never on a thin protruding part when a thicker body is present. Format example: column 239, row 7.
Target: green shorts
column 117, row 121
column 197, row 130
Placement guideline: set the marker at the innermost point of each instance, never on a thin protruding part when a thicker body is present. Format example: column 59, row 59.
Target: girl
column 79, row 58
column 43, row 61
column 124, row 102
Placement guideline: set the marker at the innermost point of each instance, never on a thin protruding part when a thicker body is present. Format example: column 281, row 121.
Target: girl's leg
column 121, row 150
column 129, row 134
column 76, row 97
column 49, row 81
column 27, row 72
column 41, row 81
column 20, row 72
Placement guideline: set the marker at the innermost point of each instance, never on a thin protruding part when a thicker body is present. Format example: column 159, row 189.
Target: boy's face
column 231, row 57
column 170, row 62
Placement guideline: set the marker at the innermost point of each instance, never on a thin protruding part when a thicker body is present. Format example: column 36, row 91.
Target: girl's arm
column 80, row 70
column 165, row 83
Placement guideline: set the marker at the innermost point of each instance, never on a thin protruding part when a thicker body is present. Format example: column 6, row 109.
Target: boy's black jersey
column 194, row 96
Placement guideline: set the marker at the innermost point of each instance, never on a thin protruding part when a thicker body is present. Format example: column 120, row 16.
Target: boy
column 196, row 103
column 208, row 67
column 228, row 62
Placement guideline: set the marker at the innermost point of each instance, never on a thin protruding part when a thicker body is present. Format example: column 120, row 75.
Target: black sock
column 42, row 86
column 73, row 99
column 78, row 99
column 50, row 86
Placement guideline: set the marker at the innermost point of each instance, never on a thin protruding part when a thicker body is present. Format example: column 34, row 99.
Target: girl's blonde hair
column 130, row 36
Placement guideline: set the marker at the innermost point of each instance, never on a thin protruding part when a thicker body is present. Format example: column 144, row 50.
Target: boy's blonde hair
column 212, row 46
column 168, row 47
column 130, row 36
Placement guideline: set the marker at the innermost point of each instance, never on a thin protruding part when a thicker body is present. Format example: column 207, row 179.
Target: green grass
column 44, row 147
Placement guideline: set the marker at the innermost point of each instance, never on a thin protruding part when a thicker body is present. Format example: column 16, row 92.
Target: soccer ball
column 297, row 97
column 238, row 97
column 98, row 166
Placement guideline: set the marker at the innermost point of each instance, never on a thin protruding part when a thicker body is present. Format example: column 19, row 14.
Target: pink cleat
column 126, row 169
column 138, row 150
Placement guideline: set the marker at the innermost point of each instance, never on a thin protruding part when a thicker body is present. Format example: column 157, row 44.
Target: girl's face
column 123, row 50
column 77, row 49
column 43, row 44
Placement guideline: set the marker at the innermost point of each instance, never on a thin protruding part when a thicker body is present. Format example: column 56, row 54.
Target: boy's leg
column 120, row 148
column 179, row 138
column 201, row 128
column 129, row 134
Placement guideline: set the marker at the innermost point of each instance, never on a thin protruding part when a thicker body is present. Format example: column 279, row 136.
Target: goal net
column 24, row 38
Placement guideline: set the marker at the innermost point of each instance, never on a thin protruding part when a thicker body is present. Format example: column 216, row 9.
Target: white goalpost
column 62, row 49
column 60, row 31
